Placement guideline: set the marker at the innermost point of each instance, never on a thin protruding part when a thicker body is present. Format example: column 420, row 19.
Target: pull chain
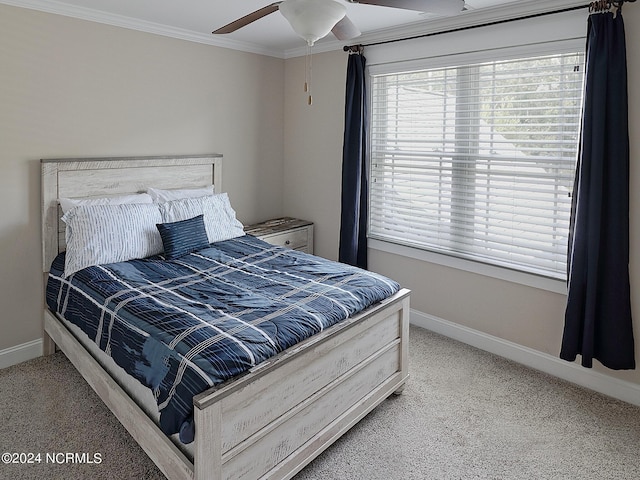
column 308, row 72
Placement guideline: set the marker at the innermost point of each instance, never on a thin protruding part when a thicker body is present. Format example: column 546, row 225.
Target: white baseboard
column 20, row 353
column 571, row 372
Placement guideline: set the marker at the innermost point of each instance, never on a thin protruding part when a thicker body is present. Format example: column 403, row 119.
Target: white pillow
column 160, row 195
column 99, row 234
column 219, row 218
column 68, row 203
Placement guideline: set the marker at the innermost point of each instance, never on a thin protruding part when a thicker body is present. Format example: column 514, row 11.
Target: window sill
column 522, row 278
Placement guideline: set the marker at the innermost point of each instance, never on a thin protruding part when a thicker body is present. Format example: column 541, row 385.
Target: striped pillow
column 183, row 236
column 99, row 234
column 219, row 218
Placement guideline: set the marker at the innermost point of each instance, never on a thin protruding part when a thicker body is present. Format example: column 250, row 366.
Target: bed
column 271, row 420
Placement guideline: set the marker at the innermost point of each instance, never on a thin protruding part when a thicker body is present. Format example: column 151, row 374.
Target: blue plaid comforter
column 185, row 325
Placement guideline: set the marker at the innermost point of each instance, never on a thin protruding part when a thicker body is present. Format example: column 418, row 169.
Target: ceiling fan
column 314, row 19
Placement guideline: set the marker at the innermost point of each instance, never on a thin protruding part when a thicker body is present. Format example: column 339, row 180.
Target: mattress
column 182, row 326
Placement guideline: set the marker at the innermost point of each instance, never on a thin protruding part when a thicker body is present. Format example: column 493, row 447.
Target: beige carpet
column 465, row 414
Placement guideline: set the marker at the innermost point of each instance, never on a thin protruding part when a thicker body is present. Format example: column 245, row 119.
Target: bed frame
column 245, row 428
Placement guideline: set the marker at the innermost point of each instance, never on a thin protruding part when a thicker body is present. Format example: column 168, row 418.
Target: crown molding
column 83, row 13
column 465, row 19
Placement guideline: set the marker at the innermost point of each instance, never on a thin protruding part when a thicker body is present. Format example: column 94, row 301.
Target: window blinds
column 478, row 160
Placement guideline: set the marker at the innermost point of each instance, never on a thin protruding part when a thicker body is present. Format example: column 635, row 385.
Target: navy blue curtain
column 355, row 190
column 598, row 321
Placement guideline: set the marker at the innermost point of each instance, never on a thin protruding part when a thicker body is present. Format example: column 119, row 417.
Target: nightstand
column 286, row 232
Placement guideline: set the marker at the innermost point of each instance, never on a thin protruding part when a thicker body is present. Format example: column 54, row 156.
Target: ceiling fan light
column 312, row 19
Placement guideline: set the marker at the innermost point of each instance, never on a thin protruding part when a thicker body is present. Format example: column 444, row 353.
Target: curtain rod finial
column 353, row 48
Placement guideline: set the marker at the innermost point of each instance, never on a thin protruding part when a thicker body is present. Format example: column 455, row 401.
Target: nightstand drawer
column 285, row 232
column 292, row 239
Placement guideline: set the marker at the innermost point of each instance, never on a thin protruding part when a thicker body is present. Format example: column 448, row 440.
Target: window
column 478, row 160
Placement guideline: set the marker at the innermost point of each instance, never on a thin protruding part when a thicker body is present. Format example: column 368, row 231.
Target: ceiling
column 195, row 19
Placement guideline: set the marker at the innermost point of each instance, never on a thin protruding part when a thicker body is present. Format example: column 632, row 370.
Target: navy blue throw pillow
column 185, row 236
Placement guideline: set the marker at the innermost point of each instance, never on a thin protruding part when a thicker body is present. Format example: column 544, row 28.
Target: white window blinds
column 478, row 160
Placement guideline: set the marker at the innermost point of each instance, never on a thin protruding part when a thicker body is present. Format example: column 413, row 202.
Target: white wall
column 72, row 88
column 526, row 316
column 313, row 147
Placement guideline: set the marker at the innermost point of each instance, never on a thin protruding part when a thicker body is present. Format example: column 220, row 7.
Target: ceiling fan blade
column 441, row 7
column 345, row 29
column 247, row 19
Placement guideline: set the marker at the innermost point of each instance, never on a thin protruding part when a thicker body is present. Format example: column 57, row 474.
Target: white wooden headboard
column 101, row 177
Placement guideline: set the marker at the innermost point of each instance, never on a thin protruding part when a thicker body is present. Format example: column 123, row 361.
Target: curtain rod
column 596, row 6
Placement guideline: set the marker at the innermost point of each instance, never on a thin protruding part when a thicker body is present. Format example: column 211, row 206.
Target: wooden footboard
column 274, row 420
